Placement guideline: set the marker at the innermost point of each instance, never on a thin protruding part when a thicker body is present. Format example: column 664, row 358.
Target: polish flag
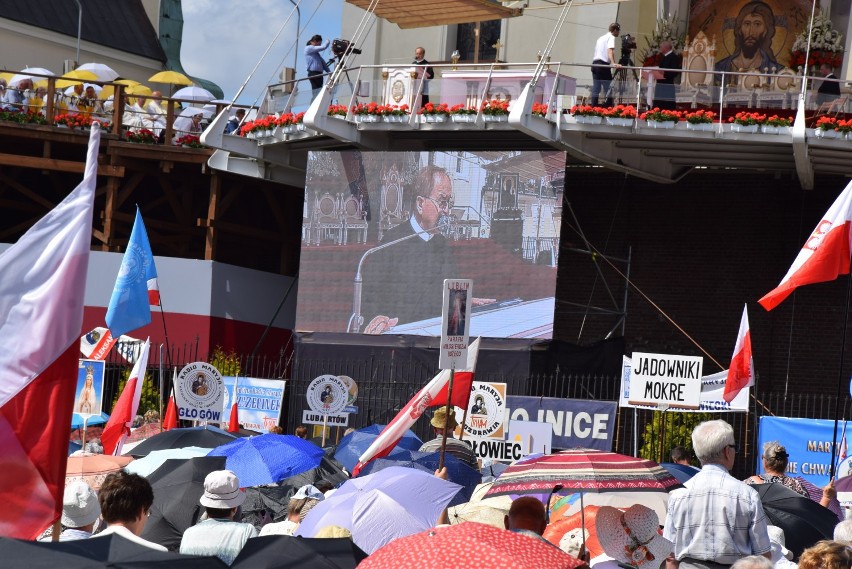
column 234, row 422
column 825, row 255
column 41, row 315
column 408, row 415
column 741, row 372
column 118, row 426
column 170, row 420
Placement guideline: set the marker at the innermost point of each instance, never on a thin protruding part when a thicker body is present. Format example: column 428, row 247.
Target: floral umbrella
column 93, row 468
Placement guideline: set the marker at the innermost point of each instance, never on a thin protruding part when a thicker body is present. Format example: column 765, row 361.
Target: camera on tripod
column 341, row 48
column 628, row 43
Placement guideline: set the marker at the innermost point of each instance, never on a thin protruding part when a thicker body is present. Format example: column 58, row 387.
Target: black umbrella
column 804, row 521
column 274, row 499
column 204, row 437
column 287, row 552
column 110, row 550
column 178, row 485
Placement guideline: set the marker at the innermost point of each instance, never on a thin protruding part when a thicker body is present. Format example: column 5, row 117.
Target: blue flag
column 136, row 286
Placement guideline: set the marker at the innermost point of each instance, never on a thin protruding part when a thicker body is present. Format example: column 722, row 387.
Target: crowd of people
column 714, row 521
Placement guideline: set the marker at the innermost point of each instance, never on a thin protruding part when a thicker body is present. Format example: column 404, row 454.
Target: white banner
column 200, row 392
column 313, row 418
column 712, row 388
column 258, row 401
column 665, row 379
column 455, row 323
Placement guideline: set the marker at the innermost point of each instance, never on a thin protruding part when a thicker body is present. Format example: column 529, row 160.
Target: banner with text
column 576, row 422
column 666, row 380
column 710, row 400
column 258, row 401
column 808, row 442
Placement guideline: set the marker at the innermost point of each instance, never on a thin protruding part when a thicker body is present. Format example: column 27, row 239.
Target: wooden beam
column 9, row 181
column 242, row 230
column 128, row 188
column 58, row 165
column 230, row 198
column 109, row 212
column 212, row 232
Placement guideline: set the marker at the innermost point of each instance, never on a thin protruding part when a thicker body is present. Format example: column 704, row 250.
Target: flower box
column 769, row 129
column 661, row 124
column 828, row 133
column 744, row 128
column 463, row 118
column 495, row 118
column 300, row 127
column 367, row 118
column 588, row 119
column 619, row 121
column 702, row 126
column 396, row 118
column 434, row 118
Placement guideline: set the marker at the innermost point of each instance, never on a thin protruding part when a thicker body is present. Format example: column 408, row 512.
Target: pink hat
column 632, row 536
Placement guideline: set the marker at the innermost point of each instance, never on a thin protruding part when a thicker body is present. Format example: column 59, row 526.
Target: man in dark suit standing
column 420, row 59
column 830, row 89
column 664, row 94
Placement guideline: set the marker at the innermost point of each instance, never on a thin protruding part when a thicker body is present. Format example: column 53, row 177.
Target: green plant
column 149, row 399
column 678, row 431
column 228, row 363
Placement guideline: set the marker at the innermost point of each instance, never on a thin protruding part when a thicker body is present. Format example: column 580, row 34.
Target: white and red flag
column 824, row 256
column 425, row 398
column 41, row 315
column 234, row 421
column 118, row 426
column 170, row 421
column 741, row 372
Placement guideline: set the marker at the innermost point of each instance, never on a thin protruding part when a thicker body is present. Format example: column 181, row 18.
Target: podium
column 400, row 86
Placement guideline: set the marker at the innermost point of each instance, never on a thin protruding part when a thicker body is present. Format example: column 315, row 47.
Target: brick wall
column 700, row 249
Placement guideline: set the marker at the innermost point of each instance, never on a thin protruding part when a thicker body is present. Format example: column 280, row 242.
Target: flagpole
column 464, row 420
column 162, row 387
column 840, row 381
column 449, row 406
column 165, row 332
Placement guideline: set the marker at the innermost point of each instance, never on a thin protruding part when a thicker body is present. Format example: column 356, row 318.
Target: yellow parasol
column 75, row 77
column 171, row 78
column 140, row 90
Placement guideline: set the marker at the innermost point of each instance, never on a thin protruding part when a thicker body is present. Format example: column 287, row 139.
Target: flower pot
column 300, row 127
column 434, row 118
column 619, row 121
column 769, row 129
column 342, row 117
column 495, row 118
column 395, row 118
column 367, row 118
column 463, row 118
column 251, row 135
column 744, row 128
column 830, row 133
column 661, row 124
column 704, row 126
column 288, row 129
column 588, row 119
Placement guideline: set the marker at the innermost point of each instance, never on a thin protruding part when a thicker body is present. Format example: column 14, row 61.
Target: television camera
column 342, row 48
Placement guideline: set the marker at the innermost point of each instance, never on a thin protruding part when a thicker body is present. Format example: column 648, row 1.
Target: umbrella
column 178, row 485
column 815, row 494
column 27, row 74
column 193, row 93
column 491, row 471
column 75, row 78
column 381, row 507
column 139, row 90
column 206, row 437
column 469, row 545
column 77, row 421
column 680, row 471
column 657, row 501
column 355, row 443
column 171, row 78
column 73, row 447
column 266, row 459
column 155, row 459
column 92, row 433
column 481, row 509
column 102, row 71
column 457, row 471
column 583, row 470
column 111, row 550
column 145, row 432
column 93, row 468
column 192, row 111
column 575, row 530
column 287, row 552
column 804, row 521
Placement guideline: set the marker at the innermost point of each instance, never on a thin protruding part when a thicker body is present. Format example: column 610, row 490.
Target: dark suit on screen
column 828, row 90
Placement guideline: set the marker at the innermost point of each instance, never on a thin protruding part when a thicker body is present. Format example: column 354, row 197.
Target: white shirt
column 602, row 47
column 126, row 533
column 419, row 230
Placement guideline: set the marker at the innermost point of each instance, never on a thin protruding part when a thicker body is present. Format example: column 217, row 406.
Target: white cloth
column 223, row 538
column 126, row 533
column 716, row 518
column 280, row 528
column 604, row 43
column 72, row 534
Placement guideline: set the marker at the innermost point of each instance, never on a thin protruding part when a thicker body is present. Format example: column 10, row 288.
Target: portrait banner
column 90, row 388
column 199, row 392
column 258, row 401
column 455, row 323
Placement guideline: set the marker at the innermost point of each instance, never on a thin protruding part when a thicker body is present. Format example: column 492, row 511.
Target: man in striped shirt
column 459, row 449
column 716, row 519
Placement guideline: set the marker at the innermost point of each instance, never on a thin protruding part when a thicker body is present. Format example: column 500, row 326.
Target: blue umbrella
column 266, row 459
column 73, row 447
column 458, row 472
column 680, row 471
column 77, row 420
column 355, row 443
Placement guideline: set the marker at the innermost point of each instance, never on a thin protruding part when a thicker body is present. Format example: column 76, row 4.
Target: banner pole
column 324, row 423
column 449, row 406
column 85, row 420
column 464, row 421
column 162, row 387
column 839, row 380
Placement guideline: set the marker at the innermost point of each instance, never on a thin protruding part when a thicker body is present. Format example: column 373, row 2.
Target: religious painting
column 750, row 34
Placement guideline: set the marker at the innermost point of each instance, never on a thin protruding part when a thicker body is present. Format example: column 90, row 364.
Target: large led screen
column 382, row 230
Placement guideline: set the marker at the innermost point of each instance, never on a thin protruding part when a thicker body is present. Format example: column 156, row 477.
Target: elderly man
column 527, row 517
column 442, row 422
column 843, row 532
column 420, row 59
column 716, row 519
column 664, row 94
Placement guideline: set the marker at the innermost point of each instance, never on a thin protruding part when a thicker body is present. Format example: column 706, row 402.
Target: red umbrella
column 146, row 431
column 583, row 470
column 469, row 545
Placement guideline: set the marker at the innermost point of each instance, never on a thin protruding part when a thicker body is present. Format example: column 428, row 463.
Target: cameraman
column 602, row 63
column 316, row 64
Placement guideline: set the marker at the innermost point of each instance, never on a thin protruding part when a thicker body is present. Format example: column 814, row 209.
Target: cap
column 222, row 490
column 441, row 421
column 79, row 505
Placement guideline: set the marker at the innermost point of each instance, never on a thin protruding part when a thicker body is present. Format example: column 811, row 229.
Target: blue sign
column 808, row 442
column 90, row 389
column 576, row 422
column 258, row 401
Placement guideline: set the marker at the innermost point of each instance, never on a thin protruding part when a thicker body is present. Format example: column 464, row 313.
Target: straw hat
column 441, row 421
column 632, row 536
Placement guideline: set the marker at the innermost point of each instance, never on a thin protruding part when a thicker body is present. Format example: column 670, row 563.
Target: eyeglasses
column 445, row 204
